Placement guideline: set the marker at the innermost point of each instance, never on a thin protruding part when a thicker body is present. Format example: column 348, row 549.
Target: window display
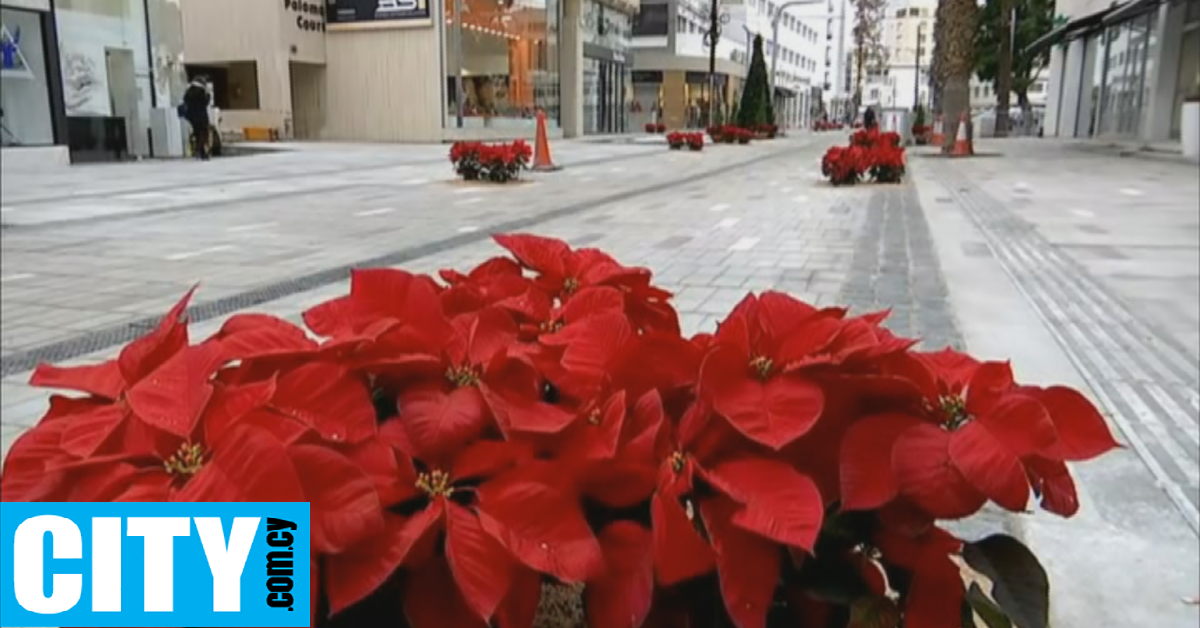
column 506, row 53
column 25, row 118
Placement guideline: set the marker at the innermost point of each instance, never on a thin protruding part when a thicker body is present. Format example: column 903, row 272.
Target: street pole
column 917, row 70
column 714, row 35
column 456, row 32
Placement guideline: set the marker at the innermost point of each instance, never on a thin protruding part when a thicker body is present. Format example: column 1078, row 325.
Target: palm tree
column 955, row 63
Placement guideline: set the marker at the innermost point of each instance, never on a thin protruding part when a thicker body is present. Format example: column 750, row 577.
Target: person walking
column 869, row 121
column 195, row 109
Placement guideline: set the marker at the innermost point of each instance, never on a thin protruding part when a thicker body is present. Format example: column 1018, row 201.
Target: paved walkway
column 1081, row 269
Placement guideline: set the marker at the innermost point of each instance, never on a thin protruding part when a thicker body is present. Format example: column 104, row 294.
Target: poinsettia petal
column 935, row 598
column 680, row 552
column 774, row 412
column 621, row 597
column 493, row 331
column 867, row 478
column 780, row 313
column 173, row 395
column 87, row 432
column 144, row 355
column 927, row 476
column 432, row 599
column 25, row 466
column 1021, row 424
column 989, row 383
column 437, row 422
column 747, row 565
column 1082, row 431
column 248, row 464
column 228, row 404
column 541, row 526
column 1052, row 482
column 353, row 575
column 329, row 399
column 989, row 466
column 520, row 607
column 251, row 336
column 544, row 255
column 482, row 567
column 776, row 501
column 486, row 458
column 342, row 501
column 103, row 380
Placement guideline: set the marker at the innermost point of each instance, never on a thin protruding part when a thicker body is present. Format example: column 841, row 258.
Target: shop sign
column 310, row 15
column 357, row 11
column 12, row 60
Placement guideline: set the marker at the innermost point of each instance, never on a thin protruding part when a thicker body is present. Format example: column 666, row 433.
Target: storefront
column 32, row 120
column 607, row 75
column 1123, row 73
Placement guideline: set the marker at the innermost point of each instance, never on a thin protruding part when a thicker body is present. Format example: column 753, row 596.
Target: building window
column 509, row 63
column 24, row 88
column 651, row 21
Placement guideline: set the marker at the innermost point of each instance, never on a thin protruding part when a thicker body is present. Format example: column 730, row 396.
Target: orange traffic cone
column 939, row 132
column 541, row 151
column 962, row 145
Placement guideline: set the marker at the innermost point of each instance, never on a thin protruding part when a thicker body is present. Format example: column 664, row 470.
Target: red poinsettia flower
column 977, row 436
column 909, row 541
column 753, row 372
column 501, row 516
column 563, row 271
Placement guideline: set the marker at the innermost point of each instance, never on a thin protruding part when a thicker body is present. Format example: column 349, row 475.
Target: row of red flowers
column 678, row 139
column 871, row 152
column 729, row 134
column 500, row 163
column 652, row 127
column 825, row 125
column 543, row 418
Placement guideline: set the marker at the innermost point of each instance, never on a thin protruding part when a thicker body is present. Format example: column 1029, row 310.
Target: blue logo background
column 193, row 594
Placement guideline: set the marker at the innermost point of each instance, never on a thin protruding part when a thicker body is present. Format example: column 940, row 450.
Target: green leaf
column 874, row 612
column 992, row 615
column 1021, row 586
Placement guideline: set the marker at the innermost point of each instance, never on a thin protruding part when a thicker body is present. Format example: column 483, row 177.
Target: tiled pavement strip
column 776, row 225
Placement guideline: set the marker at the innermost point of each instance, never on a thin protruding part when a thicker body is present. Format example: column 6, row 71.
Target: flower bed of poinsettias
column 542, row 420
column 499, row 163
column 872, row 153
column 678, row 139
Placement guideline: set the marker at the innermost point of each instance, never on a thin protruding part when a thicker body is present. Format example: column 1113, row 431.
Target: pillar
column 571, row 69
column 1161, row 81
column 1072, row 89
column 674, row 96
column 1058, row 57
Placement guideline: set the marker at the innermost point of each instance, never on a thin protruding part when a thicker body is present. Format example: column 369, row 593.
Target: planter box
column 1189, row 130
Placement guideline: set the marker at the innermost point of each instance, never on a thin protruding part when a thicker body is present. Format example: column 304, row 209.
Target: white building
column 908, row 37
column 1123, row 72
column 671, row 59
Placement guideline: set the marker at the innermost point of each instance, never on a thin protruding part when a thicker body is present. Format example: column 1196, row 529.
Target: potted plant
column 886, row 163
column 695, row 141
column 651, row 127
column 498, row 163
column 1189, row 126
column 660, row 128
column 675, row 140
column 744, row 135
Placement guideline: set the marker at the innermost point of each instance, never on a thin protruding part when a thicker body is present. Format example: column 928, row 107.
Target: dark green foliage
column 756, row 107
column 1034, row 19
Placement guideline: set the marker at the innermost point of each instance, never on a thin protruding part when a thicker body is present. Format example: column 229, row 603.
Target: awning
column 1130, row 10
column 1074, row 29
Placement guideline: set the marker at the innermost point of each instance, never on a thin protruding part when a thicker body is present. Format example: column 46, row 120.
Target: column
column 1164, row 73
column 1058, row 57
column 1072, row 90
column 571, row 69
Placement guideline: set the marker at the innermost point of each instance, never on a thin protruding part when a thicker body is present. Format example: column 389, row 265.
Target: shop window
column 24, row 89
column 651, row 21
column 235, row 84
column 508, row 64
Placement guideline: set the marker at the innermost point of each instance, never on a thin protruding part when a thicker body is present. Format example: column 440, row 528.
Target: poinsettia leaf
column 774, row 412
column 1053, row 484
column 173, row 395
column 248, row 464
column 680, row 552
column 874, row 612
column 544, row 255
column 432, row 599
column 438, row 422
column 229, row 404
column 1021, row 424
column 927, row 475
column 482, row 567
column 85, row 433
column 327, row 398
column 1021, row 586
column 936, row 596
column 144, row 355
column 986, row 608
column 520, row 607
column 250, row 336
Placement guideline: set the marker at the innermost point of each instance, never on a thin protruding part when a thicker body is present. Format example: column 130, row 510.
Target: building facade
column 1123, row 72
column 414, row 70
column 88, row 80
column 908, row 38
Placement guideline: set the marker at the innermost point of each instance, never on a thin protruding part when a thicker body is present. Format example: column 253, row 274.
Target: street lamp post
column 775, row 39
column 917, row 69
column 713, row 37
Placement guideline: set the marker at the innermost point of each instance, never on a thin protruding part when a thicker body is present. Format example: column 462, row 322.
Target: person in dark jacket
column 195, row 109
column 869, row 121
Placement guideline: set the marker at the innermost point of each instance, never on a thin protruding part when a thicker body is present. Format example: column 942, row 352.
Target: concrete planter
column 1189, row 129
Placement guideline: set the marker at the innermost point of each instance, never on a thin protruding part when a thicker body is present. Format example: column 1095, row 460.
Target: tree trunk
column 958, row 45
column 937, row 62
column 1004, row 72
column 1026, row 112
